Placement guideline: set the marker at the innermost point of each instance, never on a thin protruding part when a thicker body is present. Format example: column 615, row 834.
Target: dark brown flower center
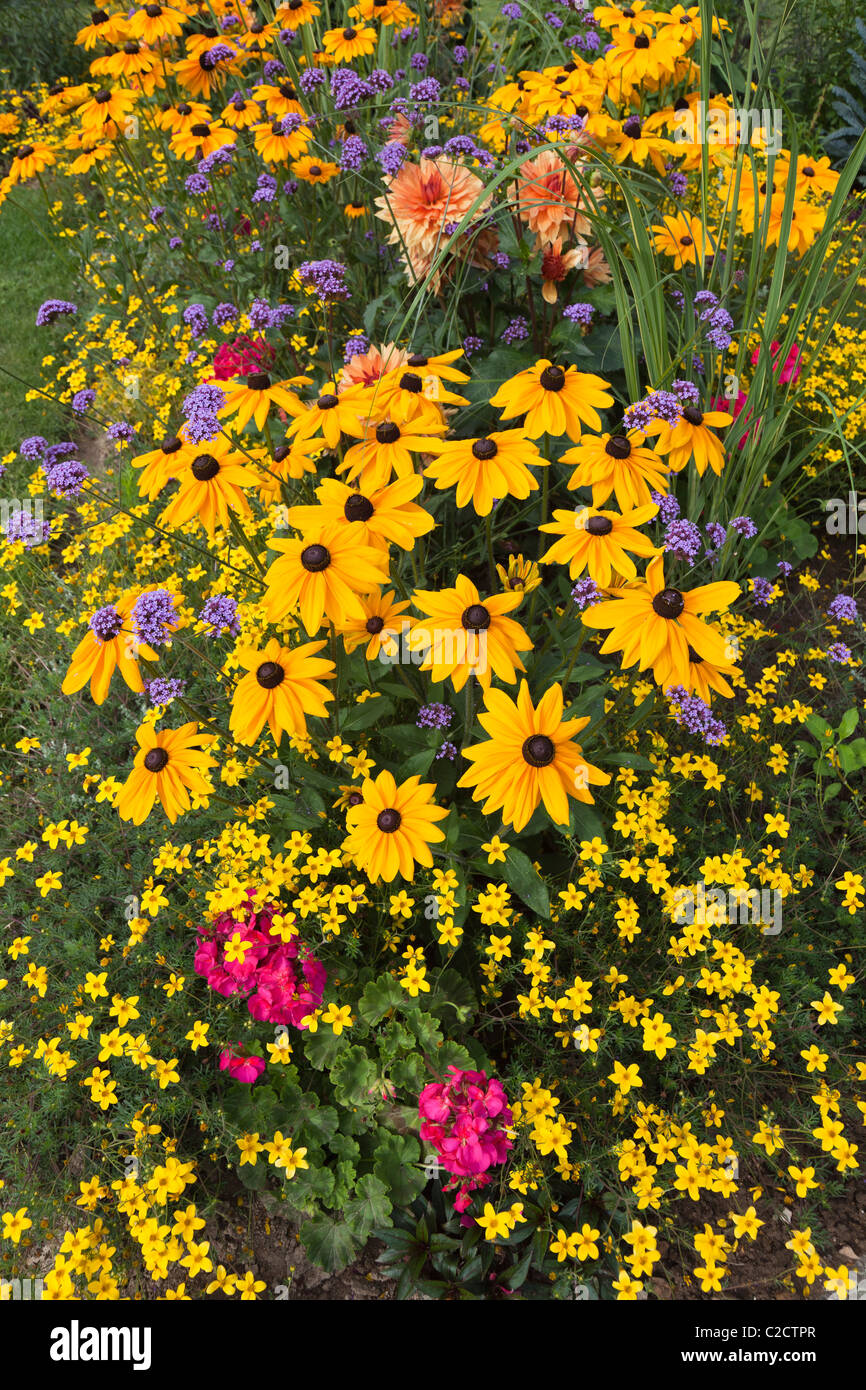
column 205, row 467
column 538, row 751
column 475, row 618
column 270, row 674
column 599, row 525
column 281, row 452
column 258, row 381
column 632, row 127
column 417, row 360
column 201, row 129
column 374, row 624
column 389, row 821
column 131, row 47
column 358, row 508
column 693, row 415
column 287, row 91
column 485, row 448
column 24, row 151
column 170, row 444
column 553, row 378
column 669, row 603
column 411, row 381
column 327, row 402
column 641, row 41
column 102, row 96
column 156, row 759
column 349, row 34
column 686, row 241
column 315, row 558
column 387, row 432
column 618, row 446
column 808, row 171
column 354, row 799
column 153, row 11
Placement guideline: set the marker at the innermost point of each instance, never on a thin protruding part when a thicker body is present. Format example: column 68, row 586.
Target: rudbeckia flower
column 530, row 757
column 154, row 22
column 378, row 627
column 375, row 517
column 392, row 828
column 654, row 625
column 599, row 542
column 690, row 438
column 254, row 399
column 309, row 169
column 345, row 45
column 295, row 13
column 331, row 415
column 276, row 146
column 168, row 765
column 210, row 485
column 483, row 469
column 413, row 397
column 555, row 400
column 684, row 238
column 322, row 575
column 107, row 106
column 282, row 686
column 704, row 677
column 110, row 642
column 385, row 449
column 161, row 464
column 617, row 463
column 28, row 161
column 279, row 101
column 201, row 139
column 462, row 634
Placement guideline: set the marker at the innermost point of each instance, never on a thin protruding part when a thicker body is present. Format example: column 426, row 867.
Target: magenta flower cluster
column 465, row 1119
column 283, row 981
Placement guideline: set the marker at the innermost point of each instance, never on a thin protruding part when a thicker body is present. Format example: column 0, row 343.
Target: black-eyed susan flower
column 683, row 237
column 705, row 678
column 276, row 145
column 161, row 464
column 692, row 438
column 376, row 516
column 484, row 469
column 321, row 575
column 169, row 765
column 599, row 542
column 331, row 415
column 279, row 101
column 385, row 449
column 379, row 627
column 295, row 13
column 282, row 686
column 211, row 485
column 154, row 22
column 392, row 828
column 28, row 161
column 107, row 105
column 199, row 140
column 310, row 169
column 529, row 758
column 110, row 643
column 412, row 397
column 345, row 45
column 555, row 400
column 653, row 625
column 617, row 464
column 520, row 576
column 462, row 634
column 255, row 397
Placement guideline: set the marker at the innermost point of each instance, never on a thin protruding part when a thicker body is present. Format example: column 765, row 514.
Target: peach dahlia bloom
column 548, row 199
column 366, row 367
column 421, row 201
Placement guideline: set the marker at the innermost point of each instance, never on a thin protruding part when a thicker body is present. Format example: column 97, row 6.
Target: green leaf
column 849, row 722
column 369, row 1208
column 522, row 879
column 328, row 1243
column 354, row 1076
column 367, row 713
column 379, row 998
column 396, row 1164
column 323, row 1047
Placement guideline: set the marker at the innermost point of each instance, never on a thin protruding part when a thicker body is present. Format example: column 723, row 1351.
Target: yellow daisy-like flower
column 392, row 828
column 322, row 575
column 599, row 542
column 211, row 485
column 96, row 656
column 691, row 438
column 254, row 399
column 374, row 516
column 483, row 469
column 530, row 758
column 654, row 626
column 378, row 627
column 168, row 765
column 462, row 634
column 619, row 464
column 345, row 45
column 386, row 449
column 282, row 686
column 555, row 400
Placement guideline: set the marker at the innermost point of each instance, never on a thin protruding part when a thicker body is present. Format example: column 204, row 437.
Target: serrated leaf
column 369, row 1208
column 329, row 1243
column 379, row 998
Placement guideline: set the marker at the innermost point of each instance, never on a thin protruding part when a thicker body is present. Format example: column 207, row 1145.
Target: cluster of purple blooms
column 224, row 313
column 581, row 314
column 163, row 689
column 327, row 278
column 82, row 401
column 694, row 714
column 121, row 432
column 266, row 189
column 661, row 405
column 762, row 591
column 154, row 617
column 843, row 608
column 54, row 309
column 219, row 613
column 586, row 593
column 25, row 525
column 434, row 716
column 447, row 750
column 517, row 330
column 683, row 540
column 201, row 409
column 67, row 477
column 717, row 320
column 839, row 653
column 356, row 346
column 106, row 623
column 196, row 319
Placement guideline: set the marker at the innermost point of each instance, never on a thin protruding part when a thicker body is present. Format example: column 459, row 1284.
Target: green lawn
column 32, row 269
